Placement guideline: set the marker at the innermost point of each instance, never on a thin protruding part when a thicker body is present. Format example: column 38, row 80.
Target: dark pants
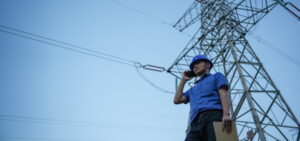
column 202, row 128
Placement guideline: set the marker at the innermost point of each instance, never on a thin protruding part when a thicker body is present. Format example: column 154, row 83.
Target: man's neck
column 203, row 74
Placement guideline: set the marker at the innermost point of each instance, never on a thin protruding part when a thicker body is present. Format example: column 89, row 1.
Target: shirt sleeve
column 221, row 81
column 187, row 96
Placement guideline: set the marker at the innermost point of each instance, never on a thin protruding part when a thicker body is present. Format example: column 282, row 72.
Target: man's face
column 199, row 67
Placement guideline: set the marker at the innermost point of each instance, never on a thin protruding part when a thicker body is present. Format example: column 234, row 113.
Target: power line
column 142, row 13
column 68, row 48
column 78, row 106
column 267, row 44
column 134, row 63
column 82, row 50
column 153, row 84
column 147, row 15
column 78, row 49
column 67, row 44
column 52, row 121
column 42, row 138
column 275, row 49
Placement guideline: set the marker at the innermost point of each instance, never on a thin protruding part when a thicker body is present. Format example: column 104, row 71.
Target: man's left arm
column 227, row 122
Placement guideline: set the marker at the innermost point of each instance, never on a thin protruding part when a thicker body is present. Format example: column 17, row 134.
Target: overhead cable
column 76, row 48
column 141, row 12
column 275, row 49
column 147, row 15
column 267, row 44
column 16, row 118
column 6, row 138
column 82, row 50
column 64, row 45
column 90, row 108
column 153, row 84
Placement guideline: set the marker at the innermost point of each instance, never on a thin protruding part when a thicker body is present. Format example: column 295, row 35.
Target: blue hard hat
column 197, row 58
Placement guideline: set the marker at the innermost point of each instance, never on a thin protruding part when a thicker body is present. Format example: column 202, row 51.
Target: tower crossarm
column 248, row 12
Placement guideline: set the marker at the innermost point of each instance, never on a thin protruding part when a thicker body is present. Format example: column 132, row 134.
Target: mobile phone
column 190, row 74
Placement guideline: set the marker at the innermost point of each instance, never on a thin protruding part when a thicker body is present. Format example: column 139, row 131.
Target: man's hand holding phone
column 188, row 75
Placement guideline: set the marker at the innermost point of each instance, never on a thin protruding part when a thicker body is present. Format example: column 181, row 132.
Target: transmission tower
column 257, row 106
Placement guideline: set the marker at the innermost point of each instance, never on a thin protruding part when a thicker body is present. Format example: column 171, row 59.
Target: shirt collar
column 205, row 75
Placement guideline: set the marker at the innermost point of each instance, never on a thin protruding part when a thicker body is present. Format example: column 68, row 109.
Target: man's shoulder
column 218, row 74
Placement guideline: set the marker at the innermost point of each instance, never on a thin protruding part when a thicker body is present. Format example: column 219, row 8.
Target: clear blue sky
column 49, row 93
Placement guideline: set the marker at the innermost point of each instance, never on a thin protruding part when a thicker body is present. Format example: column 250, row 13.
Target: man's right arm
column 179, row 97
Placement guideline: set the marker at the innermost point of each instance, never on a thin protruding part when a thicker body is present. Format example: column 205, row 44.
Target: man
column 208, row 100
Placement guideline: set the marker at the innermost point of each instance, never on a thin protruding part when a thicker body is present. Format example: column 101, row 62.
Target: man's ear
column 207, row 65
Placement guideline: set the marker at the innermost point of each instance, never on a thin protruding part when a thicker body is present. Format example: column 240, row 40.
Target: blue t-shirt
column 204, row 95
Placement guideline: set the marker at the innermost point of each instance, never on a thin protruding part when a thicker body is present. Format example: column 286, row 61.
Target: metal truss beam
column 253, row 95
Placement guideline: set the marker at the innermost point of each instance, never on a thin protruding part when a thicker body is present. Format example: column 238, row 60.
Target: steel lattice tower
column 257, row 105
